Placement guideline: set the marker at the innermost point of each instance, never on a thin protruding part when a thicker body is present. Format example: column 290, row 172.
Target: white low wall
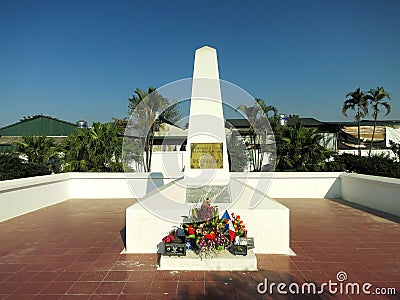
column 114, row 185
column 20, row 196
column 294, row 184
column 380, row 193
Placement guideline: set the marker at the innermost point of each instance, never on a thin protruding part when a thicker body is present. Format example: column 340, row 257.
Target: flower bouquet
column 207, row 233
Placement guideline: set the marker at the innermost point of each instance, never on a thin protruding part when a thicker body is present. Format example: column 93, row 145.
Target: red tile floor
column 72, row 251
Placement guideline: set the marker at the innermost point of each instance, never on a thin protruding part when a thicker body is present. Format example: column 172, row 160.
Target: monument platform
column 268, row 222
column 222, row 261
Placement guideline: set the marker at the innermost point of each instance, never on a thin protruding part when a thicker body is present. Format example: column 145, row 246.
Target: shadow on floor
column 243, row 285
column 368, row 210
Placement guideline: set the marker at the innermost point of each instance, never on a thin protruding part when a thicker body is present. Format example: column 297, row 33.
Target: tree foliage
column 40, row 150
column 358, row 102
column 299, row 149
column 377, row 165
column 97, row 149
column 376, row 97
column 395, row 147
column 13, row 167
column 146, row 107
column 258, row 135
column 37, row 149
column 237, row 152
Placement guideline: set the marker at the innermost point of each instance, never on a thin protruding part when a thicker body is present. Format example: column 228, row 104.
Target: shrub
column 298, row 149
column 12, row 167
column 378, row 165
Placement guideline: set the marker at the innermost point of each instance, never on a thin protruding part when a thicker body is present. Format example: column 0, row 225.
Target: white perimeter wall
column 380, row 193
column 20, row 196
column 113, row 185
column 294, row 184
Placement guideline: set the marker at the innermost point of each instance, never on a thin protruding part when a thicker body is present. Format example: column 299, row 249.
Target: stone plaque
column 206, row 156
column 217, row 193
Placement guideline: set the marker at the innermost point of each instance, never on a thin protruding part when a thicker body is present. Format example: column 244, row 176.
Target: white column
column 204, row 162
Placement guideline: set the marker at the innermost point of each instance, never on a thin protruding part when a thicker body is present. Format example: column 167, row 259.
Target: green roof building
column 37, row 125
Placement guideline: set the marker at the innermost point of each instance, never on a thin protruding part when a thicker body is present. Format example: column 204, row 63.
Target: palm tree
column 267, row 109
column 375, row 96
column 299, row 149
column 358, row 102
column 37, row 149
column 257, row 134
column 98, row 149
column 147, row 106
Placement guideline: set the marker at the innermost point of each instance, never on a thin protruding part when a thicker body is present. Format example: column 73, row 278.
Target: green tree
column 40, row 150
column 376, row 97
column 359, row 102
column 257, row 135
column 237, row 152
column 13, row 167
column 395, row 147
column 267, row 109
column 97, row 149
column 299, row 149
column 147, row 107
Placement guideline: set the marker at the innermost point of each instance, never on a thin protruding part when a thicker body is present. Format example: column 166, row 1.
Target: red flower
column 238, row 217
column 210, row 236
column 168, row 239
column 232, row 235
column 190, row 230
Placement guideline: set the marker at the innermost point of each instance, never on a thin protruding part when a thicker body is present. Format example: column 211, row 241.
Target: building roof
column 367, row 123
column 304, row 121
column 39, row 125
column 311, row 122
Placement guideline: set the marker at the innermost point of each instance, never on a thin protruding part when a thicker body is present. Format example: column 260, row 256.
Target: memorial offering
column 174, row 245
column 206, row 233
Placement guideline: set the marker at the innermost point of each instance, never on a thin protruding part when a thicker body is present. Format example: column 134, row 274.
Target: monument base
column 268, row 223
column 222, row 261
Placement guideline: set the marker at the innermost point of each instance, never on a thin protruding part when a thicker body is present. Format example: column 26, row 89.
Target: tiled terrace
column 72, row 251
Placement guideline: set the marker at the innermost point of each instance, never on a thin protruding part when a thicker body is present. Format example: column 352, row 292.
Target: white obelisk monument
column 206, row 166
column 206, row 160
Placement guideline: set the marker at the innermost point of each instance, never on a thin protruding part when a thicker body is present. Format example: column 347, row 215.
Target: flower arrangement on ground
column 238, row 225
column 208, row 232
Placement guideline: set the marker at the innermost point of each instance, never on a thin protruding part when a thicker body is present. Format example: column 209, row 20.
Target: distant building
column 336, row 135
column 343, row 136
column 37, row 125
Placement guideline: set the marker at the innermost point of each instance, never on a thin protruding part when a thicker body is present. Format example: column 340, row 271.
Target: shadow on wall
column 335, row 191
column 156, row 180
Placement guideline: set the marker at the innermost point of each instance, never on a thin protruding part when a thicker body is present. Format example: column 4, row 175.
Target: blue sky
column 83, row 59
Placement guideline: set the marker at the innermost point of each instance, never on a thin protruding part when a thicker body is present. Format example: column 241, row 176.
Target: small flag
column 225, row 217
